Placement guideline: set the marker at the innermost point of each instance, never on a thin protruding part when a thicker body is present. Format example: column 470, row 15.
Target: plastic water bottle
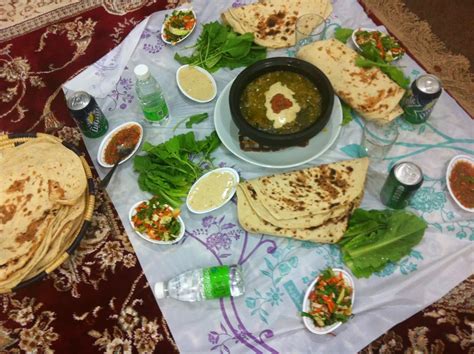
column 203, row 284
column 150, row 95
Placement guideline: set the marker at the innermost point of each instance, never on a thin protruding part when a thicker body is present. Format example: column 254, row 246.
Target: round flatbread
column 273, row 22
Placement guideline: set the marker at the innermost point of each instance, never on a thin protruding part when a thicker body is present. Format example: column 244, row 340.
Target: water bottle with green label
column 150, row 96
column 203, row 284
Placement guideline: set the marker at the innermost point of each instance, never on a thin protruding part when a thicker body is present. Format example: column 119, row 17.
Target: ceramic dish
column 183, row 37
column 145, row 237
column 285, row 158
column 353, row 38
column 108, row 137
column 206, row 73
column 451, row 164
column 229, row 194
column 308, row 321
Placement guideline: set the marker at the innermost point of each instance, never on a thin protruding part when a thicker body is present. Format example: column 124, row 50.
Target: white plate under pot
column 289, row 157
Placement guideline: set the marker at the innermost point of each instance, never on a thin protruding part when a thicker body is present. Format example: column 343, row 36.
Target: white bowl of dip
column 196, row 83
column 212, row 190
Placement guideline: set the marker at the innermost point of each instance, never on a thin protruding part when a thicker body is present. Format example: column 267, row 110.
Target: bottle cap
column 142, row 72
column 160, row 291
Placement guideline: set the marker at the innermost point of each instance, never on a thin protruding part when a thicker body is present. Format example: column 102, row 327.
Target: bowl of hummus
column 280, row 102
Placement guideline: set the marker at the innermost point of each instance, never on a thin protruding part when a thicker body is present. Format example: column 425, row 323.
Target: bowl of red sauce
column 128, row 135
column 460, row 181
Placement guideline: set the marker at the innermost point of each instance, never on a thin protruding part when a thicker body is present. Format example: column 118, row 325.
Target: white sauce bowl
column 205, row 72
column 309, row 323
column 229, row 170
column 451, row 164
column 145, row 237
column 107, row 139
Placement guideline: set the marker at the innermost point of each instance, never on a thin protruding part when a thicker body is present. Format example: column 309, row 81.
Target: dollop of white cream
column 286, row 115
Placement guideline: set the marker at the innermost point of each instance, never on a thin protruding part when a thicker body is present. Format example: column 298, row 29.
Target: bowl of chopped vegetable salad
column 178, row 26
column 157, row 222
column 328, row 301
column 376, row 43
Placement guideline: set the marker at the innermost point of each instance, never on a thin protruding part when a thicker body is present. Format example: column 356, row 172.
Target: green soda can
column 404, row 179
column 87, row 114
column 421, row 98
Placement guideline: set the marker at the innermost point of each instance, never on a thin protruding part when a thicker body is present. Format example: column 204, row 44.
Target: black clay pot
column 298, row 66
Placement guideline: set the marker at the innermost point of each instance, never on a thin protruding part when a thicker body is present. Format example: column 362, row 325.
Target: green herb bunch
column 219, row 46
column 168, row 170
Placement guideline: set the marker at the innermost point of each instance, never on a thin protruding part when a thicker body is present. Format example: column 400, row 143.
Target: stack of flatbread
column 273, row 22
column 42, row 203
column 313, row 204
column 369, row 91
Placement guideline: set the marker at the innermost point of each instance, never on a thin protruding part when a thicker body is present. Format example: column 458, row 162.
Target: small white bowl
column 353, row 37
column 145, row 237
column 236, row 177
column 308, row 321
column 108, row 137
column 183, row 38
column 448, row 174
column 205, row 72
column 361, row 29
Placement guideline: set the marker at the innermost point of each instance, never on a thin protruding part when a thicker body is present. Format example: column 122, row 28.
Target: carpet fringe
column 426, row 47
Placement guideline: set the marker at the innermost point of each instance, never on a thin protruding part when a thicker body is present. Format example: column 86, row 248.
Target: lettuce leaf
column 377, row 237
column 343, row 34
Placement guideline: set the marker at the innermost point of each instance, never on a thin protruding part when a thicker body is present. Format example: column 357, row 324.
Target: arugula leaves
column 376, row 238
column 191, row 120
column 196, row 119
column 219, row 46
column 169, row 169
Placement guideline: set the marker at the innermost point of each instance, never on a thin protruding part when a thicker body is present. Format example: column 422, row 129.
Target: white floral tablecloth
column 277, row 271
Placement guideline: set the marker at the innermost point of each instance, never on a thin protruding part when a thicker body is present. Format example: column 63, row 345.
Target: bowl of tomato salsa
column 129, row 135
column 460, row 181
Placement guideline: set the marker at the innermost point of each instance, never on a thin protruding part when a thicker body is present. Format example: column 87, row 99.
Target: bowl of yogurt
column 196, row 83
column 213, row 190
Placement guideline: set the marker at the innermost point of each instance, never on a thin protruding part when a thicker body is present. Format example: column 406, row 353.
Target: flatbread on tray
column 368, row 90
column 42, row 203
column 313, row 204
column 273, row 22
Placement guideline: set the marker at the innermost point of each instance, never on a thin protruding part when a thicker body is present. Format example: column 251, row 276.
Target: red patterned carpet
column 99, row 299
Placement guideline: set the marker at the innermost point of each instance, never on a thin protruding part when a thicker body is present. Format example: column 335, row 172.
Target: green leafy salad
column 219, row 46
column 168, row 170
column 376, row 238
column 371, row 56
